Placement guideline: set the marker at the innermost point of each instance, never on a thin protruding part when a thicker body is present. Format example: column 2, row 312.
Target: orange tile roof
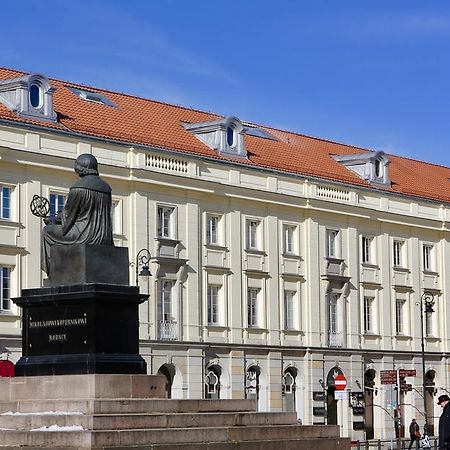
column 146, row 122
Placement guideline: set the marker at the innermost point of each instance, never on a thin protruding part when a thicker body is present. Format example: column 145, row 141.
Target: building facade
column 278, row 261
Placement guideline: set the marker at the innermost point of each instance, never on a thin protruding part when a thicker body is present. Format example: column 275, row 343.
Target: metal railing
column 391, row 444
column 335, row 339
column 168, row 330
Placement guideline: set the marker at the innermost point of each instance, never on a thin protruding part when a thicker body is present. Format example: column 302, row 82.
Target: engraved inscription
column 58, row 322
column 57, row 337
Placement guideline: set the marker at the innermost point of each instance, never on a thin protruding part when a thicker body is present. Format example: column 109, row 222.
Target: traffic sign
column 406, row 387
column 340, row 395
column 340, row 382
column 407, row 372
column 388, row 376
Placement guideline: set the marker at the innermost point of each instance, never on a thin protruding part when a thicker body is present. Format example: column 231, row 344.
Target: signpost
column 340, row 382
column 388, row 376
column 397, row 377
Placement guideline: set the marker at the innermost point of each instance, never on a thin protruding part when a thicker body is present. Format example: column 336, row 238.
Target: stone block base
column 101, row 412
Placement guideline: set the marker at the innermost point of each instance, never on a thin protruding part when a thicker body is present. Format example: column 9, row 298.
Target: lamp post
column 426, row 307
column 142, row 259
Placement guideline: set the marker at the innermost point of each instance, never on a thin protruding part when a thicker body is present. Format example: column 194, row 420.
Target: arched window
column 230, row 136
column 212, row 384
column 35, row 95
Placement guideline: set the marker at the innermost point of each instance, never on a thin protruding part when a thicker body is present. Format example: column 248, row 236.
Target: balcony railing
column 168, row 330
column 335, row 339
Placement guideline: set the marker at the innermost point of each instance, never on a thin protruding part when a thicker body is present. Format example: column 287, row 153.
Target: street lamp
column 426, row 307
column 142, row 260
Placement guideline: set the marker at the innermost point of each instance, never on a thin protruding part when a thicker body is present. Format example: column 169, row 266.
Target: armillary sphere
column 40, row 206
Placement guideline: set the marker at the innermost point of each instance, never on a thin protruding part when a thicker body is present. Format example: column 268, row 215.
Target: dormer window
column 29, row 96
column 378, row 171
column 35, row 96
column 224, row 135
column 230, row 136
column 370, row 166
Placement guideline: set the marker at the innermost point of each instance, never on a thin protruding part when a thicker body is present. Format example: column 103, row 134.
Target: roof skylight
column 94, row 97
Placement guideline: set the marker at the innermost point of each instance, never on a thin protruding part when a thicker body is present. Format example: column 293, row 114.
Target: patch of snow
column 59, row 428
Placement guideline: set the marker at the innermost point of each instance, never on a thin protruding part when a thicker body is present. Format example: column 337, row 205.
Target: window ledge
column 216, row 247
column 403, row 337
column 168, row 240
column 292, row 332
column 432, row 338
column 254, row 251
column 291, row 256
column 401, row 269
column 8, row 315
column 214, row 327
column 431, row 272
column 370, row 265
column 257, row 330
column 371, row 335
column 334, row 259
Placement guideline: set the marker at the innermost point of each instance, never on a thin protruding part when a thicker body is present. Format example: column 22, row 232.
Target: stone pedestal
column 123, row 412
column 80, row 329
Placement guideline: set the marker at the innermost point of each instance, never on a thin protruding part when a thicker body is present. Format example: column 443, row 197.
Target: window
column 368, row 314
column 5, row 202
column 213, row 304
column 35, row 96
column 252, row 313
column 5, row 300
column 333, row 313
column 95, row 97
column 116, row 217
column 165, row 222
column 399, row 316
column 212, row 229
column 57, row 202
column 230, row 136
column 332, row 243
column 289, row 239
column 427, row 257
column 289, row 298
column 365, row 249
column 252, row 234
column 166, row 299
column 398, row 245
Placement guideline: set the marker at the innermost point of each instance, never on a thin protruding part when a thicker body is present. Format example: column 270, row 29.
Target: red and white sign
column 340, row 382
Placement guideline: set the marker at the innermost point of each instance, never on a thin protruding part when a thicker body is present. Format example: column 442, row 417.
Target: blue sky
column 370, row 73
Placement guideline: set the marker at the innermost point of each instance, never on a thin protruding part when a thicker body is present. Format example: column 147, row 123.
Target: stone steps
column 129, row 406
column 133, row 438
column 117, row 412
column 142, row 421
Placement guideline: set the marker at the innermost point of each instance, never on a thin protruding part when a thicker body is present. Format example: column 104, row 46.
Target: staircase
column 91, row 412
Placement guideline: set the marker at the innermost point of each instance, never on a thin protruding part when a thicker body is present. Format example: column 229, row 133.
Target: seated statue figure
column 86, row 216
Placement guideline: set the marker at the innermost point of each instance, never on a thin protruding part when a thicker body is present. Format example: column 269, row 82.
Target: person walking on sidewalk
column 444, row 422
column 414, row 434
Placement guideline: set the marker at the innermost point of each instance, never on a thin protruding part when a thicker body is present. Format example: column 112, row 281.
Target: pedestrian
column 444, row 422
column 414, row 434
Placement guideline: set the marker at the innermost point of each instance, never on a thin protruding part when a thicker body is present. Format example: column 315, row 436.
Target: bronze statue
column 86, row 216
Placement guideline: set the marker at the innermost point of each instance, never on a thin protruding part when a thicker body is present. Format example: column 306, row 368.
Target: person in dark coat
column 414, row 433
column 86, row 216
column 444, row 422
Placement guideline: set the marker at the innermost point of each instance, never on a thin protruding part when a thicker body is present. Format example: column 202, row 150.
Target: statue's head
column 86, row 164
